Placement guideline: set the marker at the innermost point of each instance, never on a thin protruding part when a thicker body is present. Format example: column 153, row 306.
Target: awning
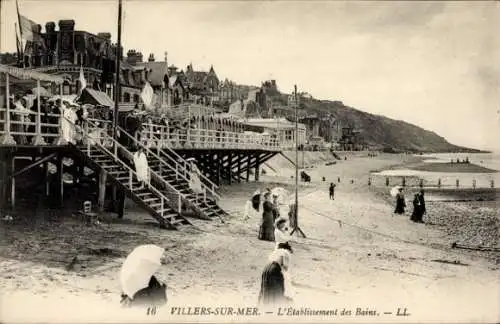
column 29, row 74
column 100, row 97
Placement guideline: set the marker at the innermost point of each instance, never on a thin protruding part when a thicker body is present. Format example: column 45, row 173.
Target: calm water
column 483, row 180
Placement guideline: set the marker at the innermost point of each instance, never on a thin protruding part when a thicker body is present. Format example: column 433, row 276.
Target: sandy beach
column 357, row 254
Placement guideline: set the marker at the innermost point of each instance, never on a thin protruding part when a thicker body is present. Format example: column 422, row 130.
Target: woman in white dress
column 141, row 166
column 194, row 175
column 68, row 124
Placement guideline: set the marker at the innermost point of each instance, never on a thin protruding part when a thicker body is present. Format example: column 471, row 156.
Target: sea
column 448, row 179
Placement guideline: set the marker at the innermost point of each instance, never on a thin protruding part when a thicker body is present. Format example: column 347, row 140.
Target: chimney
column 134, row 57
column 50, row 27
column 151, row 58
column 66, row 25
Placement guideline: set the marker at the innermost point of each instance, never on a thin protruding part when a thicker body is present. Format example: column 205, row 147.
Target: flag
column 147, row 95
column 83, row 83
column 29, row 30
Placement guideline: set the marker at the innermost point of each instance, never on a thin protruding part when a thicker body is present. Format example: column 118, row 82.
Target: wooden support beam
column 60, row 180
column 239, row 167
column 230, row 167
column 248, row 169
column 32, row 165
column 102, row 190
column 12, row 183
column 218, row 158
column 257, row 167
column 120, row 203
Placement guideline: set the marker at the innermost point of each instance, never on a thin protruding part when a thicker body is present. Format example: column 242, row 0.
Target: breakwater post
column 439, row 183
column 458, row 183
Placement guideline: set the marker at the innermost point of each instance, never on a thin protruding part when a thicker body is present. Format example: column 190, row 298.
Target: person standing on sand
column 281, row 235
column 272, row 287
column 418, row 208
column 400, row 202
column 276, row 210
column 266, row 231
column 332, row 191
column 252, row 206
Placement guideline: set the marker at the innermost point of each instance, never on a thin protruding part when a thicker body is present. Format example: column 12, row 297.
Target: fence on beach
column 467, row 181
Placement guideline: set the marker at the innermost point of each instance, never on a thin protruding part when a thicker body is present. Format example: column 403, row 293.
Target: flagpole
column 296, row 228
column 20, row 32
column 117, row 72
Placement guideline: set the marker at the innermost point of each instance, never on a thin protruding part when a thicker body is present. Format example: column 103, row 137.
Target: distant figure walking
column 276, row 210
column 400, row 202
column 266, row 231
column 272, row 287
column 332, row 191
column 418, row 208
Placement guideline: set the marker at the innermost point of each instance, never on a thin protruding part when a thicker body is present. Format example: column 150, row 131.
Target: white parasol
column 395, row 191
column 138, row 268
column 283, row 195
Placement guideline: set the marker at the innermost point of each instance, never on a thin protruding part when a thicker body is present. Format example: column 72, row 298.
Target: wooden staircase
column 170, row 168
column 159, row 205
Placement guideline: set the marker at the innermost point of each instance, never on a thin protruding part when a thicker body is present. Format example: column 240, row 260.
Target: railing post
column 161, row 207
column 6, row 138
column 179, row 204
column 60, row 140
column 130, row 179
column 176, row 171
column 38, row 139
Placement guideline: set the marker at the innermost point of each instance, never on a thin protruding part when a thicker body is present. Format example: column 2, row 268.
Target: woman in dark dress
column 418, row 207
column 400, row 202
column 266, row 232
column 272, row 288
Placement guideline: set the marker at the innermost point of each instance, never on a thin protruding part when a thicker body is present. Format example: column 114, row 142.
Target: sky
column 432, row 64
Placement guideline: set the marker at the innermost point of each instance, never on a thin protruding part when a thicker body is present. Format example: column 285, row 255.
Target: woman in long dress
column 141, row 166
column 266, row 232
column 194, row 178
column 400, row 202
column 272, row 288
column 68, row 124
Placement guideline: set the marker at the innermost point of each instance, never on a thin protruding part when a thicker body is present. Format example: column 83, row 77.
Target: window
column 136, row 98
column 126, row 97
column 66, row 88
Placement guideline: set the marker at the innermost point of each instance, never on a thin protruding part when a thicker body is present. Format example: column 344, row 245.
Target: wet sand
column 357, row 254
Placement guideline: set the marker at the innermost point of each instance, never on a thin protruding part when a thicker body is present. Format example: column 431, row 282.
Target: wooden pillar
column 218, row 157
column 257, row 167
column 120, row 202
column 3, row 184
column 102, row 190
column 60, row 180
column 46, row 182
column 12, row 167
column 239, row 167
column 248, row 167
column 230, row 167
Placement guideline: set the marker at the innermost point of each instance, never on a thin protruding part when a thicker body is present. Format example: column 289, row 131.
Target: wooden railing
column 159, row 136
column 105, row 142
column 177, row 164
column 18, row 125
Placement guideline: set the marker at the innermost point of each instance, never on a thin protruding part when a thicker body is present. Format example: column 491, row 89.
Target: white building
column 282, row 128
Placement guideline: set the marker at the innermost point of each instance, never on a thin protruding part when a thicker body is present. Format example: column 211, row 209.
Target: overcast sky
column 434, row 64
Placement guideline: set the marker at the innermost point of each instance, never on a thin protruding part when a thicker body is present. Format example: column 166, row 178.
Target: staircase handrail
column 211, row 186
column 179, row 169
column 131, row 171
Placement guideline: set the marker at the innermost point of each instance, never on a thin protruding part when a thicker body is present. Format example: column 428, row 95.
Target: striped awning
column 24, row 74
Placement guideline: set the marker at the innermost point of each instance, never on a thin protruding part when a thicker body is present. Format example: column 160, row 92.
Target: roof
column 280, row 123
column 101, row 97
column 157, row 71
column 197, row 78
column 29, row 74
